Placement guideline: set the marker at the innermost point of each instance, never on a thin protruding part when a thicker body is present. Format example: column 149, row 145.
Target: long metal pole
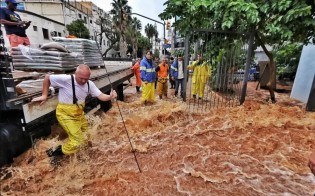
column 152, row 20
column 248, row 61
column 163, row 31
column 122, row 118
column 147, row 18
column 186, row 62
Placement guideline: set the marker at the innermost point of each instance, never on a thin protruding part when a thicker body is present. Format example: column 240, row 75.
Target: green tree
column 133, row 33
column 78, row 29
column 150, row 31
column 274, row 21
column 287, row 57
column 143, row 45
column 121, row 18
column 105, row 23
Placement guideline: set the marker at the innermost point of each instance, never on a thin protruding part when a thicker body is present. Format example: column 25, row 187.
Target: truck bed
column 31, row 82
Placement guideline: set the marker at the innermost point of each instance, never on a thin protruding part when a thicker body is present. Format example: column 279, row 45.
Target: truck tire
column 13, row 142
column 4, row 152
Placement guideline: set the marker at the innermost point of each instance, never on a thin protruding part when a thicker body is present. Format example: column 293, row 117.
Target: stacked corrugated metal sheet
column 88, row 48
column 26, row 58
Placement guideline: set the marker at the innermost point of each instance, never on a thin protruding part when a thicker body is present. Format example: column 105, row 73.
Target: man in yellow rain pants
column 73, row 89
column 148, row 77
column 200, row 76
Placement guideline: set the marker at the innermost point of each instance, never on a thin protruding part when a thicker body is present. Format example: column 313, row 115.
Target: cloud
column 148, row 8
column 151, row 9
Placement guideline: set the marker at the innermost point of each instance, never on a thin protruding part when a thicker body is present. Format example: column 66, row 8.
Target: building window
column 59, row 34
column 91, row 21
column 45, row 33
column 84, row 19
column 108, row 43
column 35, row 28
column 92, row 37
column 104, row 42
column 80, row 16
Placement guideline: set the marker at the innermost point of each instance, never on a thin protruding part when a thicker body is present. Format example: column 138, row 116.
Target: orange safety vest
column 136, row 69
column 163, row 72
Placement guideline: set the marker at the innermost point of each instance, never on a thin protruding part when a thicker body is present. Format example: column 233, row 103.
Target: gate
column 216, row 68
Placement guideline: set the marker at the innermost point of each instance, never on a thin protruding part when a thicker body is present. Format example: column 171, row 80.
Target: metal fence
column 216, row 64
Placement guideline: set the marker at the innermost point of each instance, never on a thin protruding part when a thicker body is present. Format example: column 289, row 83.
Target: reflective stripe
column 150, row 70
column 147, row 69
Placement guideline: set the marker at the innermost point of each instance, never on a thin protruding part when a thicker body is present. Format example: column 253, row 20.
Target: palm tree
column 150, row 31
column 121, row 17
column 136, row 24
column 134, row 32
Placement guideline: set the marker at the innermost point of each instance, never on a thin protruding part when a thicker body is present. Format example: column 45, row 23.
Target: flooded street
column 254, row 149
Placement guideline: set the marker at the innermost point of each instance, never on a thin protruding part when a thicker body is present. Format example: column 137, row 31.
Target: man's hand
column 42, row 99
column 24, row 24
column 27, row 24
column 20, row 23
column 113, row 94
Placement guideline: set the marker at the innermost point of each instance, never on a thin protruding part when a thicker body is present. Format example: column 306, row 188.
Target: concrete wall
column 52, row 10
column 36, row 36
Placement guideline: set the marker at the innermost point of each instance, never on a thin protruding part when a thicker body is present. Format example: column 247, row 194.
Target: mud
column 254, row 149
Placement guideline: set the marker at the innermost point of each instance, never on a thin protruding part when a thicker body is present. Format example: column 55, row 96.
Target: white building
column 50, row 17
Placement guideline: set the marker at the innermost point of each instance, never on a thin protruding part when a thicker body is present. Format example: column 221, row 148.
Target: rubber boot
column 56, row 156
column 56, row 152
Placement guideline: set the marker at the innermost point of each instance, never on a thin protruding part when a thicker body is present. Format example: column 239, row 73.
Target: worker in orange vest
column 136, row 69
column 162, row 71
column 71, row 36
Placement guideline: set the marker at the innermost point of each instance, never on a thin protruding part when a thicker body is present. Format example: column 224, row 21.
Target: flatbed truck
column 23, row 121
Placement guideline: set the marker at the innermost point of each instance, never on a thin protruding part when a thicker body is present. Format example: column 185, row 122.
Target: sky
column 148, row 8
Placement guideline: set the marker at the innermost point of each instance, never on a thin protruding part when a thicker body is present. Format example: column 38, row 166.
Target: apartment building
column 50, row 17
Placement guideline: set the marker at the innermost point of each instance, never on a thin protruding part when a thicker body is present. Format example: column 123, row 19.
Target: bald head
column 82, row 74
column 83, row 68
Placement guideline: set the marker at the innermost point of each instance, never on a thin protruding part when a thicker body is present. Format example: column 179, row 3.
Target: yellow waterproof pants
column 72, row 120
column 198, row 88
column 148, row 92
column 162, row 86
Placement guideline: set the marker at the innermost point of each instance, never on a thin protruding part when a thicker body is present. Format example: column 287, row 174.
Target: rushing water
column 254, row 149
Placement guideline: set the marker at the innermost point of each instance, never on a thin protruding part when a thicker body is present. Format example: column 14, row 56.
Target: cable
column 133, row 151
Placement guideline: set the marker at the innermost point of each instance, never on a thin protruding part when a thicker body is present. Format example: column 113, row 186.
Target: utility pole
column 152, row 20
column 163, row 50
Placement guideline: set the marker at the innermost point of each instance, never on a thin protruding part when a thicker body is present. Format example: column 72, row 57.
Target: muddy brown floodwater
column 254, row 149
